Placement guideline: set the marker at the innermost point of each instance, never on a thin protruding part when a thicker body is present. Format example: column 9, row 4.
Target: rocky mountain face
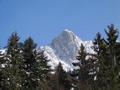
column 64, row 49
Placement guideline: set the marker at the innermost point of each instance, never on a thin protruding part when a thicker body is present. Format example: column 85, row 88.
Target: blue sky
column 45, row 19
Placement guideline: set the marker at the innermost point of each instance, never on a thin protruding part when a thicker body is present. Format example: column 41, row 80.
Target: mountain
column 64, row 49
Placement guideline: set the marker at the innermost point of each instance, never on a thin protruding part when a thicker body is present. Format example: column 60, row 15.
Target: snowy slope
column 64, row 49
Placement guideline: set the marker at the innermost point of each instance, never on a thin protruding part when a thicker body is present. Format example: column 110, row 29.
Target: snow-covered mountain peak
column 66, row 38
column 68, row 32
column 64, row 48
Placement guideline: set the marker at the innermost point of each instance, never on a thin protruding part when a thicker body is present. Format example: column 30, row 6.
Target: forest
column 23, row 67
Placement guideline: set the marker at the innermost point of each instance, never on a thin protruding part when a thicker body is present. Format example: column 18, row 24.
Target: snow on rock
column 64, row 49
column 54, row 60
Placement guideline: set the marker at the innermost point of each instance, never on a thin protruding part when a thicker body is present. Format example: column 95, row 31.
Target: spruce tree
column 100, row 49
column 35, row 66
column 13, row 59
column 82, row 71
column 62, row 79
column 111, row 41
column 41, row 70
column 106, row 54
column 28, row 62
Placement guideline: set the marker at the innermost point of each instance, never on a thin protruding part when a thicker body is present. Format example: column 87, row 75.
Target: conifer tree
column 41, row 70
column 100, row 52
column 107, row 75
column 28, row 63
column 35, row 66
column 13, row 61
column 83, row 65
column 62, row 79
column 112, row 36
